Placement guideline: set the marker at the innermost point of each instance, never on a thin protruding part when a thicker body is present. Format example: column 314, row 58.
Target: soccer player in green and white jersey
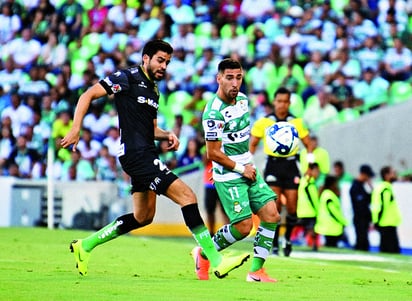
column 240, row 186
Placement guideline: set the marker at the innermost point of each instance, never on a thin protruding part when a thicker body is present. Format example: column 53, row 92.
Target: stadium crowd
column 340, row 59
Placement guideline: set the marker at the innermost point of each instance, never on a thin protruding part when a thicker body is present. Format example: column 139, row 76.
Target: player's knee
column 144, row 220
column 244, row 227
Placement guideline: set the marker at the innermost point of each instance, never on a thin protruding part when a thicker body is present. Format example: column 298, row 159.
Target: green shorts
column 242, row 197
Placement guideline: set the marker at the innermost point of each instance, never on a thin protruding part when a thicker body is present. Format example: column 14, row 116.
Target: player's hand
column 72, row 138
column 250, row 172
column 173, row 142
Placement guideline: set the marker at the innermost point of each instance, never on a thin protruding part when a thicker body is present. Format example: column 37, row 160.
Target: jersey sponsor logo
column 117, row 73
column 238, row 135
column 142, row 85
column 148, row 101
column 211, row 135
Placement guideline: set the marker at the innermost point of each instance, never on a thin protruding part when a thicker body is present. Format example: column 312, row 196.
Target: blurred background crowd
column 341, row 59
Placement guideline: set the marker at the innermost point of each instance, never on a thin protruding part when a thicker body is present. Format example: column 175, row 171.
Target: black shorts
column 282, row 172
column 147, row 172
column 211, row 199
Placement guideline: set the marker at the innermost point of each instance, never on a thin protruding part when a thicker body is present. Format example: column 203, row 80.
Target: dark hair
column 153, row 46
column 282, row 90
column 228, row 64
column 338, row 164
column 384, row 171
column 330, row 181
column 313, row 165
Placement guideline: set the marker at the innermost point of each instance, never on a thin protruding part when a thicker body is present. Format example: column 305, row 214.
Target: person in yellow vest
column 281, row 173
column 330, row 221
column 308, row 202
column 386, row 215
column 320, row 155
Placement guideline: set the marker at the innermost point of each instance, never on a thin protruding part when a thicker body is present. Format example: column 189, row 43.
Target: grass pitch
column 36, row 264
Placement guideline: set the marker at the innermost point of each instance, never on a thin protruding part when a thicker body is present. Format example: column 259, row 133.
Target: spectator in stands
column 228, row 12
column 252, row 11
column 77, row 168
column 184, row 132
column 319, row 111
column 10, row 75
column 20, row 114
column 36, row 84
column 397, row 62
column 70, row 12
column 386, row 215
column 89, row 147
column 111, row 44
column 179, row 76
column 184, row 38
column 166, row 156
column 121, row 15
column 53, row 54
column 106, row 166
column 25, row 50
column 289, row 40
column 361, row 28
column 97, row 120
column 27, row 159
column 96, row 16
column 180, row 12
column 344, row 64
column 60, row 127
column 190, row 155
column 261, row 43
column 371, row 91
column 112, row 141
column 38, row 135
column 7, row 142
column 370, row 55
column 5, row 99
column 235, row 42
column 206, row 68
column 10, row 23
column 342, row 93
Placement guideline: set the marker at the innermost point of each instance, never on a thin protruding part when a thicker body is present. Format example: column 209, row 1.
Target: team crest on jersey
column 116, row 88
column 243, row 105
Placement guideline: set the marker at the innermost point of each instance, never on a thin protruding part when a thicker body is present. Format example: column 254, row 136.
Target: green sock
column 262, row 244
column 202, row 236
column 226, row 236
column 105, row 234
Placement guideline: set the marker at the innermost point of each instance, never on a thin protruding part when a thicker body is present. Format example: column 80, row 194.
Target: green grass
column 36, row 264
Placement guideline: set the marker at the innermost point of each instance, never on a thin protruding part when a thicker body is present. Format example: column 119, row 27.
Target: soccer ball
column 282, row 138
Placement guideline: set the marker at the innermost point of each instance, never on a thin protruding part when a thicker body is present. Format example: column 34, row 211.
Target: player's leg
column 263, row 205
column 144, row 209
column 210, row 207
column 183, row 195
column 279, row 204
column 291, row 217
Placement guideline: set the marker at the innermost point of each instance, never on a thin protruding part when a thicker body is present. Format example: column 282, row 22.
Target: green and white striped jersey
column 231, row 125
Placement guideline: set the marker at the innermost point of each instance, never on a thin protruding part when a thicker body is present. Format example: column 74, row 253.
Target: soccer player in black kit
column 137, row 99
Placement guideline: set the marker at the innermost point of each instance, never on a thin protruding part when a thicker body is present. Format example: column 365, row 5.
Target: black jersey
column 137, row 102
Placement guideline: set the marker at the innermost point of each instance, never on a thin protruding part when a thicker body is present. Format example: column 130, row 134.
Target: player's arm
column 73, row 136
column 254, row 142
column 214, row 153
column 161, row 134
